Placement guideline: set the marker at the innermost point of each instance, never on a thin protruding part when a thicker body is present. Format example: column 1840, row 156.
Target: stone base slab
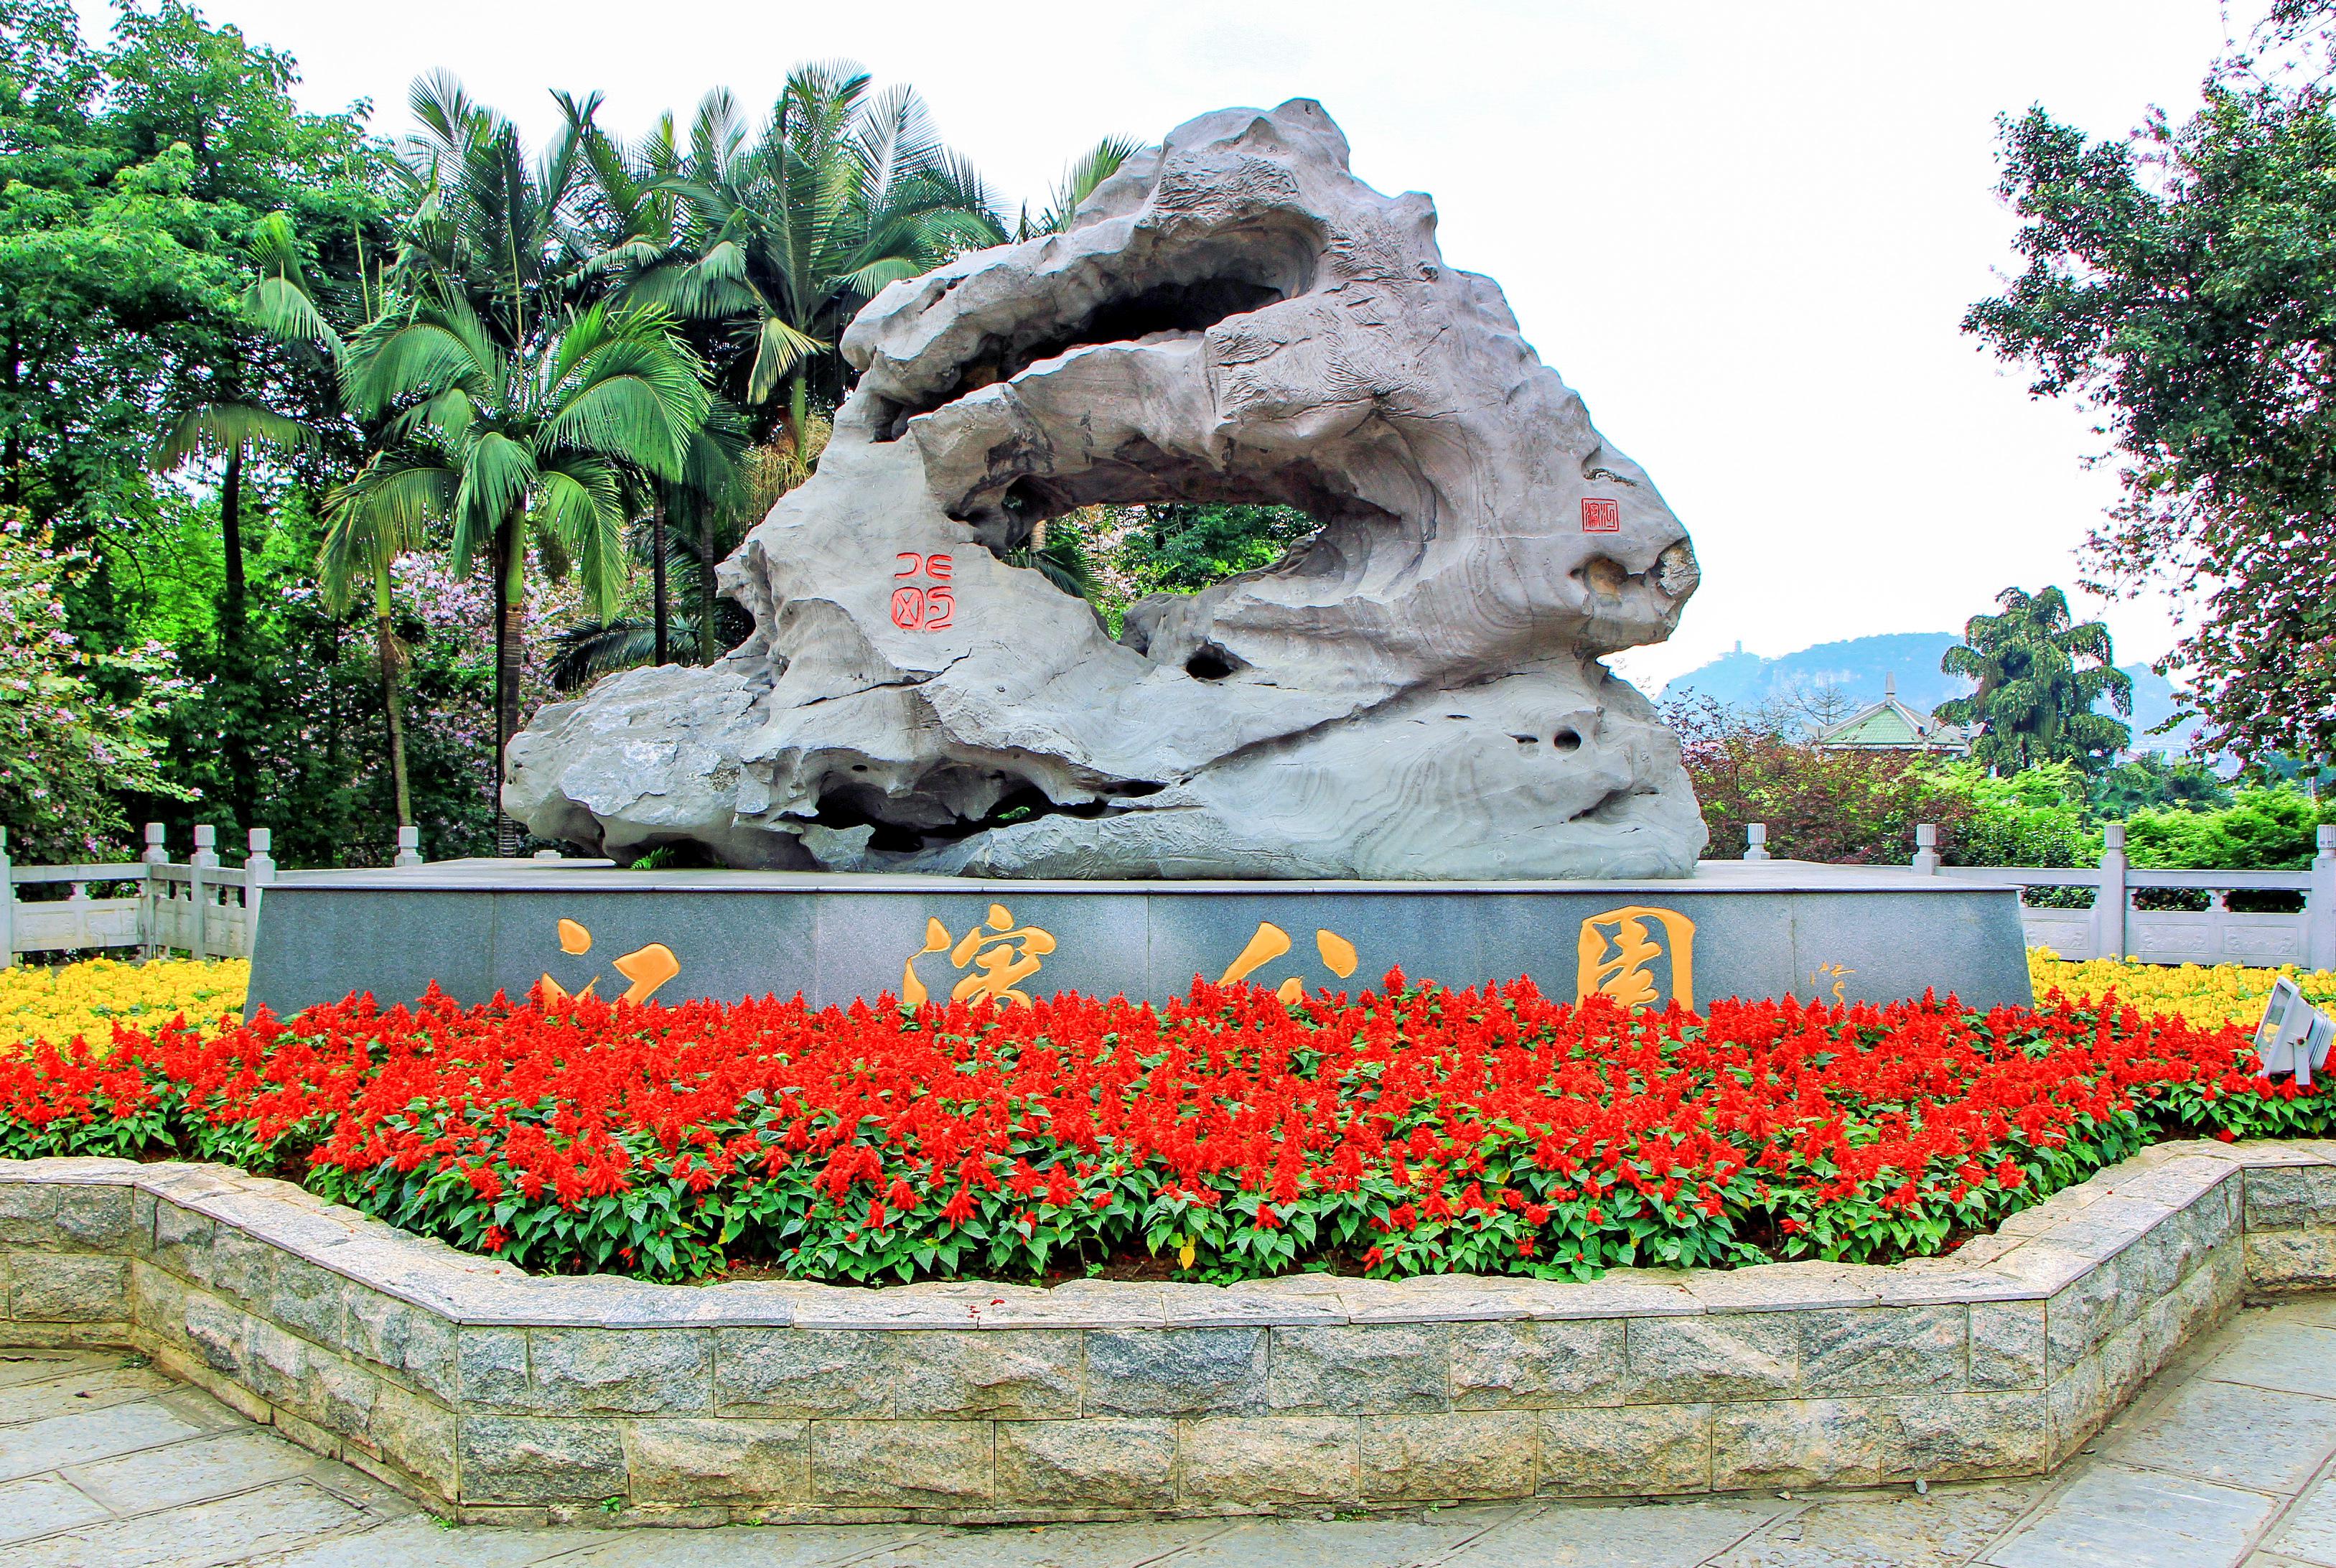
column 475, row 928
column 490, row 1394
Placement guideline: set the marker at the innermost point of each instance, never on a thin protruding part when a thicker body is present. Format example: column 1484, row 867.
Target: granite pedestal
column 1733, row 930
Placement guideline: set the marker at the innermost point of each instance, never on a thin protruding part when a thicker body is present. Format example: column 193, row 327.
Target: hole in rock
column 1566, row 740
column 1210, row 662
column 1189, row 307
column 1604, row 576
column 853, row 806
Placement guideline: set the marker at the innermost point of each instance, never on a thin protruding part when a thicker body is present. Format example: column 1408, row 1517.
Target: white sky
column 1746, row 233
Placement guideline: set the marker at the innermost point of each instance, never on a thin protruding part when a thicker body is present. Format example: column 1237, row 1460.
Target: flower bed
column 59, row 1001
column 1228, row 1135
column 2207, row 996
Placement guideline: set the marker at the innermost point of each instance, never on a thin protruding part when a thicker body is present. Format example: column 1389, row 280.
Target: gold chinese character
column 1000, row 953
column 648, row 968
column 1840, row 983
column 1617, row 947
column 1269, row 941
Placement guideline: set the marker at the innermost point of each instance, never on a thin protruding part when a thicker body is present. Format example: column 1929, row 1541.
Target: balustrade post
column 152, row 890
column 7, row 907
column 205, row 858
column 259, row 870
column 1756, row 841
column 2111, row 903
column 409, row 847
column 1926, row 849
column 2320, row 903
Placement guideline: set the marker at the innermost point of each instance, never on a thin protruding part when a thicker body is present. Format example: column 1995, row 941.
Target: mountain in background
column 1857, row 668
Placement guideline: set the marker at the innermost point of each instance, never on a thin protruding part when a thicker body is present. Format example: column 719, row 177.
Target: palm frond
column 778, row 348
column 214, row 428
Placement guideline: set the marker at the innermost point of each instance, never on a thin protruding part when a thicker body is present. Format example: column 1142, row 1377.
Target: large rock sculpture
column 1414, row 692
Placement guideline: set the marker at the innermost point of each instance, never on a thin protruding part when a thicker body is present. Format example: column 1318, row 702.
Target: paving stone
column 85, row 1434
column 43, row 1504
column 2308, row 1530
column 2254, row 1438
column 426, row 1542
column 2296, row 1358
column 1941, row 1529
column 190, row 1472
column 1362, row 1544
column 1052, row 1546
column 1377, row 1369
column 1175, row 1372
column 788, row 1546
column 1528, row 1366
column 1654, row 1535
column 1101, row 1462
column 2114, row 1517
column 229, row 1530
column 80, row 1389
column 32, row 1366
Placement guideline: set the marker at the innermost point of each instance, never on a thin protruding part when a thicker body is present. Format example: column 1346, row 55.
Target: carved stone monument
column 1413, row 692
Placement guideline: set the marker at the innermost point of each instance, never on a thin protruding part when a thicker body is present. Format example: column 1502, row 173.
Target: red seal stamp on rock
column 1601, row 516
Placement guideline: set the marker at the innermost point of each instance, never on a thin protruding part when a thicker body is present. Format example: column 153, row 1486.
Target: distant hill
column 1856, row 669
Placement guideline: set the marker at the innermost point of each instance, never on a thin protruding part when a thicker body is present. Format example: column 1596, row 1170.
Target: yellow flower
column 2223, row 994
column 56, row 1002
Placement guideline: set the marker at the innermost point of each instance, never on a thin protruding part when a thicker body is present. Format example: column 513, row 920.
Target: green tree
column 2038, row 673
column 2151, row 779
column 2182, row 280
column 544, row 447
column 785, row 230
column 1088, row 171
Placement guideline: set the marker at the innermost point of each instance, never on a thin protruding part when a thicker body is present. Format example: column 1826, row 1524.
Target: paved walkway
column 2228, row 1458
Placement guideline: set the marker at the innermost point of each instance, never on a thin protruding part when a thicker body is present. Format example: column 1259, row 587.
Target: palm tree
column 786, row 230
column 548, row 445
column 2034, row 696
column 1087, row 171
column 487, row 223
column 276, row 303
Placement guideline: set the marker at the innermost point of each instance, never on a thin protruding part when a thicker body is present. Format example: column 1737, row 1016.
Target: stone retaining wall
column 491, row 1395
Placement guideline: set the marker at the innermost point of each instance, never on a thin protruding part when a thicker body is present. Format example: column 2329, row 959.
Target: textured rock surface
column 1414, row 692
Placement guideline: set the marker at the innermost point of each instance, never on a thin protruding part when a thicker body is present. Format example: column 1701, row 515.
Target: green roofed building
column 1891, row 726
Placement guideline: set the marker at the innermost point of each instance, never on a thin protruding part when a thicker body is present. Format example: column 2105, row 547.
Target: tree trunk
column 231, row 616
column 236, row 666
column 511, row 606
column 393, row 704
column 656, row 581
column 708, row 609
